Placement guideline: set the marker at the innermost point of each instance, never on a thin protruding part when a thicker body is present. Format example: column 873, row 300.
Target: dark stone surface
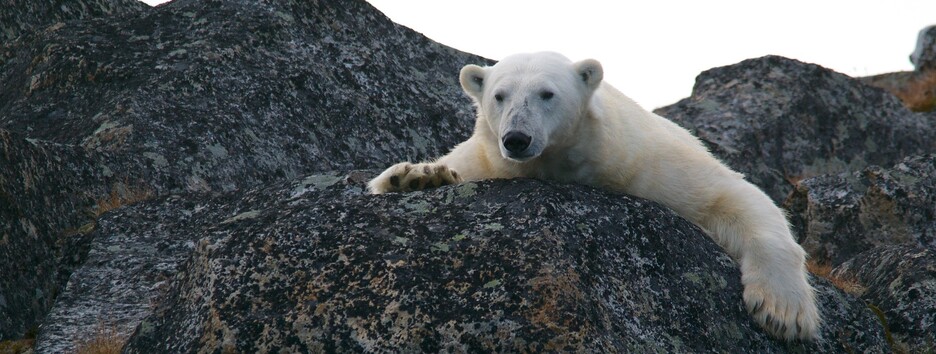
column 133, row 254
column 218, row 109
column 780, row 121
column 518, row 265
column 924, row 55
column 18, row 17
column 222, row 95
column 45, row 210
column 900, row 282
column 196, row 96
column 836, row 217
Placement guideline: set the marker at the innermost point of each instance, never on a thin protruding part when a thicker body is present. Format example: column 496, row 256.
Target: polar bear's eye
column 546, row 95
column 499, row 97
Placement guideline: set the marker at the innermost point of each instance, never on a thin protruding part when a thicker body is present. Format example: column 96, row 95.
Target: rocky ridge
column 780, row 121
column 202, row 97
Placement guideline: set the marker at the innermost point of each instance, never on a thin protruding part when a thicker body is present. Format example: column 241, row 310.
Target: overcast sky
column 653, row 50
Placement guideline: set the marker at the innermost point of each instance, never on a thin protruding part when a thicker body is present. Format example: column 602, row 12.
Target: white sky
column 652, row 50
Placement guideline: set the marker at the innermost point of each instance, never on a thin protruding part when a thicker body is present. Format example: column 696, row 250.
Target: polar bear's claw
column 789, row 314
column 406, row 177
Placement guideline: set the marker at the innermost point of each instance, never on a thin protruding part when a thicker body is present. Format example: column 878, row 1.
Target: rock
column 211, row 96
column 836, row 217
column 518, row 265
column 780, row 121
column 924, row 56
column 19, row 17
column 195, row 97
column 134, row 253
column 915, row 89
column 46, row 194
column 45, row 210
column 214, row 113
column 899, row 281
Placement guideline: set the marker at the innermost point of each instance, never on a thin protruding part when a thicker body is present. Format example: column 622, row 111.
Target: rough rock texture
column 901, row 282
column 19, row 17
column 838, row 216
column 924, row 56
column 518, row 265
column 916, row 89
column 134, row 252
column 210, row 95
column 45, row 209
column 196, row 96
column 779, row 121
column 217, row 109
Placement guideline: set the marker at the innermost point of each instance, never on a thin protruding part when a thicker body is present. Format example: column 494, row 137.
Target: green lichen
column 712, row 281
column 106, row 171
column 322, row 181
column 158, row 160
column 440, row 246
column 218, row 151
column 400, row 240
column 242, row 216
column 494, row 226
column 419, row 142
column 104, row 126
column 467, row 189
column 492, row 283
column 459, row 237
column 419, row 206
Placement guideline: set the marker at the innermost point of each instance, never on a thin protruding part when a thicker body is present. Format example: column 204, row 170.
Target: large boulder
column 836, row 217
column 210, row 95
column 924, row 55
column 46, row 209
column 519, row 265
column 133, row 253
column 899, row 282
column 917, row 88
column 194, row 96
column 780, row 121
column 18, row 17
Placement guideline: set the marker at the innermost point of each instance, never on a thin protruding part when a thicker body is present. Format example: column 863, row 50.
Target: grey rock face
column 222, row 95
column 493, row 266
column 44, row 214
column 220, row 108
column 196, row 96
column 133, row 254
column 837, row 217
column 780, row 121
column 900, row 282
column 924, row 56
column 19, row 17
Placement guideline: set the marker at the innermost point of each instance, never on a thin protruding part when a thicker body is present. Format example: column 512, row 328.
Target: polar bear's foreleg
column 747, row 224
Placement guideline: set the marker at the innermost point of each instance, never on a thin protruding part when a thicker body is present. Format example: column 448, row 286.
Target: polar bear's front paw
column 405, row 176
column 786, row 311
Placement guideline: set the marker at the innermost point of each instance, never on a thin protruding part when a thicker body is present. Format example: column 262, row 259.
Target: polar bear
column 542, row 116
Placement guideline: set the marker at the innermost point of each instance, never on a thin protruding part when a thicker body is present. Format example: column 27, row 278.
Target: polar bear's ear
column 472, row 80
column 590, row 72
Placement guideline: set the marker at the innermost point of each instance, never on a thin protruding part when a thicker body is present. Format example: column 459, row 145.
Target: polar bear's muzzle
column 516, row 142
column 522, row 134
column 516, row 145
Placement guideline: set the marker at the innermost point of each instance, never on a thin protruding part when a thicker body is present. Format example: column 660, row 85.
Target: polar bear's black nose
column 516, row 141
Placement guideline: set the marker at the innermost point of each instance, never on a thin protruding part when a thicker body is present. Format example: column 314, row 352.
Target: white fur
column 588, row 132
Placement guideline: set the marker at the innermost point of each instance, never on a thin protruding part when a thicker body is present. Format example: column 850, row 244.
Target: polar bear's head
column 532, row 101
